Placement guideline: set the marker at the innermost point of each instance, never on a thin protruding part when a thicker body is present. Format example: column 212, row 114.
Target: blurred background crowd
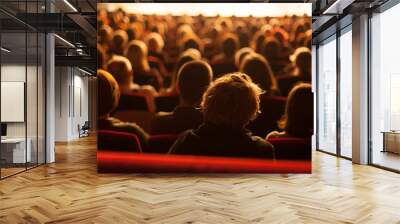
column 159, row 70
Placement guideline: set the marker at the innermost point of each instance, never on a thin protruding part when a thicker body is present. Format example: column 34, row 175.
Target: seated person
column 298, row 118
column 121, row 69
column 186, row 56
column 193, row 79
column 302, row 73
column 228, row 105
column 108, row 98
column 272, row 51
column 137, row 53
column 259, row 70
column 225, row 62
column 241, row 54
column 119, row 40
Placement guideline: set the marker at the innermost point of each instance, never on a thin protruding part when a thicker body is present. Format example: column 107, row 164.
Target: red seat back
column 292, row 148
column 117, row 162
column 160, row 143
column 118, row 141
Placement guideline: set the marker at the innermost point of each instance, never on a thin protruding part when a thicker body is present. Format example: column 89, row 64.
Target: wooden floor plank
column 71, row 191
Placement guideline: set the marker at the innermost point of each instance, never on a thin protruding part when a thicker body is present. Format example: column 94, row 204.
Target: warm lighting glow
column 212, row 9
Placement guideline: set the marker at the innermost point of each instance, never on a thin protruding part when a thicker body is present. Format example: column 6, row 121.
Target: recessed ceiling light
column 70, row 5
column 5, row 50
column 65, row 41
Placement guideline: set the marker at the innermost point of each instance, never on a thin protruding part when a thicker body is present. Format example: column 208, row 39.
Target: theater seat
column 118, row 141
column 160, row 143
column 272, row 109
column 292, row 148
column 166, row 103
column 135, row 108
column 120, row 162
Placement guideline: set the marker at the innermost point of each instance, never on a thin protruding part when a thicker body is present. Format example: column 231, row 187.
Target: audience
column 108, row 98
column 193, row 79
column 298, row 118
column 188, row 66
column 228, row 105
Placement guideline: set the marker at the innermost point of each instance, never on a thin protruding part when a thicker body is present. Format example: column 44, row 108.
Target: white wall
column 16, row 73
column 71, row 102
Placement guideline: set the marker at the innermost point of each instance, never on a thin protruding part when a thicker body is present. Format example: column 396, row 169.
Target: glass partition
column 14, row 151
column 22, row 90
column 346, row 92
column 385, row 89
column 327, row 96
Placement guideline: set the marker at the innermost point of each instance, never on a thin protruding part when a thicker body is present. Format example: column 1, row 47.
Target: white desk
column 16, row 146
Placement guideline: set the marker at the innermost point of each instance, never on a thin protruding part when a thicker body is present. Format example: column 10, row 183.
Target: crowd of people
column 227, row 74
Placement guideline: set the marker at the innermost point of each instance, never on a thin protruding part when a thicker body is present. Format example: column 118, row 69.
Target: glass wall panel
column 385, row 89
column 14, row 151
column 346, row 93
column 327, row 96
column 22, row 89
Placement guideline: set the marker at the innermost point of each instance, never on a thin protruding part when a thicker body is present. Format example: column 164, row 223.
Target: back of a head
column 136, row 52
column 271, row 49
column 230, row 45
column 119, row 40
column 121, row 69
column 155, row 42
column 258, row 68
column 258, row 41
column 193, row 79
column 105, row 34
column 232, row 101
column 108, row 93
column 240, row 54
column 191, row 41
column 302, row 58
column 298, row 119
column 188, row 55
column 132, row 32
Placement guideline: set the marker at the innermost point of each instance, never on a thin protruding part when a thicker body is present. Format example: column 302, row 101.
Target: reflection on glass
column 327, row 96
column 385, row 87
column 346, row 94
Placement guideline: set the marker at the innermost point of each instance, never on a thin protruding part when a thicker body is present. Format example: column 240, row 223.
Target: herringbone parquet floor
column 71, row 191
